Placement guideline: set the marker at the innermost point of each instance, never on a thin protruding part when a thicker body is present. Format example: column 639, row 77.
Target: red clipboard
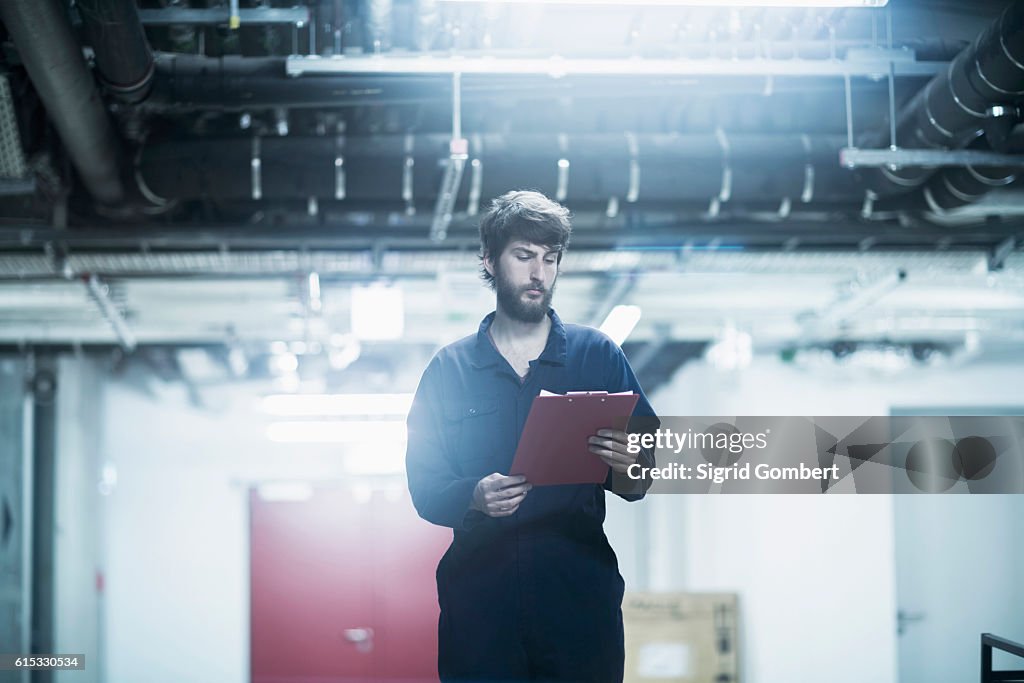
column 554, row 446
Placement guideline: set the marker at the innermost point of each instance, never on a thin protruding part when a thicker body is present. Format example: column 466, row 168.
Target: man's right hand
column 499, row 496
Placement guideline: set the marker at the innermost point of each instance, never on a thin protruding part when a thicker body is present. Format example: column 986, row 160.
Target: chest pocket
column 475, row 427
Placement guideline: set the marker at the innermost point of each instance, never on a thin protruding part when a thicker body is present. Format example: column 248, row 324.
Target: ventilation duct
column 123, row 57
column 954, row 107
column 579, row 169
column 53, row 58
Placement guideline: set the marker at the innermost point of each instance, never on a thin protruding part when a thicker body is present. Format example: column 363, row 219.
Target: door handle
column 361, row 637
column 903, row 617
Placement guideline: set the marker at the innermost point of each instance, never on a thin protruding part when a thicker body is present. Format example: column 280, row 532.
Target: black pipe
column 192, row 82
column 53, row 58
column 952, row 109
column 672, row 168
column 951, row 188
column 123, row 58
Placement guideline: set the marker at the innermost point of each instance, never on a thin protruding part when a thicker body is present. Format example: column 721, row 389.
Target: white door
column 959, row 573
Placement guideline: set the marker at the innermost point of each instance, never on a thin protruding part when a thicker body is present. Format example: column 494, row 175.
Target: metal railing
column 989, row 641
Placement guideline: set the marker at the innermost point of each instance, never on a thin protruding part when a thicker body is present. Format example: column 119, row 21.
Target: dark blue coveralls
column 536, row 595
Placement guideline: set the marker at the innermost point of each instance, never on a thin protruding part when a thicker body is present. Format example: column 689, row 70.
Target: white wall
column 177, row 530
column 816, row 575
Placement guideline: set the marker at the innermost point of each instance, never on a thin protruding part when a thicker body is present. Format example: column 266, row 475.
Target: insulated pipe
column 53, row 58
column 651, row 169
column 951, row 110
column 955, row 187
column 185, row 82
column 193, row 82
column 123, row 58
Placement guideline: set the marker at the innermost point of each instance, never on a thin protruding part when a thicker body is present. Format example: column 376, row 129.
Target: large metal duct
column 187, row 82
column 123, row 57
column 952, row 109
column 957, row 186
column 951, row 188
column 580, row 169
column 53, row 58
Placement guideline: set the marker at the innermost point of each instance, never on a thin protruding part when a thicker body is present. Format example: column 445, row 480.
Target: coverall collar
column 485, row 355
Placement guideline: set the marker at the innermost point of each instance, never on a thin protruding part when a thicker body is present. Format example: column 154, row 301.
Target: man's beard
column 511, row 300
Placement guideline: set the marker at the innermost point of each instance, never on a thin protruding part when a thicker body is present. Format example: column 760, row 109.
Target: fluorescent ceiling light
column 285, row 492
column 376, row 459
column 378, row 312
column 620, row 322
column 694, row 3
column 370, row 431
column 295, row 405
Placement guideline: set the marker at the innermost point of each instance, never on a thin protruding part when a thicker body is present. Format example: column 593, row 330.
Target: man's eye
column 524, row 258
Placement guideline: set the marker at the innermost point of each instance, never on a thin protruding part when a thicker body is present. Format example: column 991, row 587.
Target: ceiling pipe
column 185, row 83
column 952, row 188
column 953, row 108
column 123, row 57
column 232, row 83
column 644, row 168
column 53, row 58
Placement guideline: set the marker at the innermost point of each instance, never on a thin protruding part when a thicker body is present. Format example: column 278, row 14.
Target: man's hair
column 522, row 215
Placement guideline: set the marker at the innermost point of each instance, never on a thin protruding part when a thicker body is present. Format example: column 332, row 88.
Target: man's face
column 524, row 279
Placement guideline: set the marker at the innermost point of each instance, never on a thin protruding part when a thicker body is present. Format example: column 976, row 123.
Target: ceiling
column 208, row 171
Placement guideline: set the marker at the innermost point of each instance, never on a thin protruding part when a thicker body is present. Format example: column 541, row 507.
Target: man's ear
column 488, row 263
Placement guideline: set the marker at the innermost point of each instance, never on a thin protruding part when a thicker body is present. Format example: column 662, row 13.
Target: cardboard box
column 681, row 637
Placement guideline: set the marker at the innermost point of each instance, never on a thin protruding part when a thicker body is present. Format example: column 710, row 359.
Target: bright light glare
column 285, row 491
column 732, row 351
column 620, row 322
column 694, row 3
column 370, row 431
column 367, row 460
column 292, row 405
column 378, row 312
column 283, row 363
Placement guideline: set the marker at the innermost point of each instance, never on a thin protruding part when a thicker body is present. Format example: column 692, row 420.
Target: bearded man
column 529, row 588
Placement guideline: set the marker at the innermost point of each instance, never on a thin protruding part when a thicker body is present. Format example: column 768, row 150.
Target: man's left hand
column 610, row 445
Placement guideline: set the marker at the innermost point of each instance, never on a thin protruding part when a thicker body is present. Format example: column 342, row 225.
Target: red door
column 342, row 588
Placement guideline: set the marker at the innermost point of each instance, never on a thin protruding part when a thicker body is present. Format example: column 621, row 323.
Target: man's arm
column 439, row 494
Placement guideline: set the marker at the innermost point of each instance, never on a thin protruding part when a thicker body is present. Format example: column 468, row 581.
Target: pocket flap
column 465, row 409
